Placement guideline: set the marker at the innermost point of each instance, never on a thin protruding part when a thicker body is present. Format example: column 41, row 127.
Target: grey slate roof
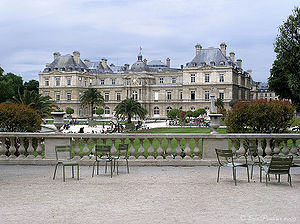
column 97, row 68
column 139, row 65
column 118, row 69
column 66, row 63
column 263, row 86
column 159, row 66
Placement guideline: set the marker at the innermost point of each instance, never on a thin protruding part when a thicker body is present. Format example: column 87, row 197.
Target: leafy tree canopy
column 173, row 114
column 10, row 85
column 32, row 85
column 284, row 79
column 129, row 107
column 92, row 97
column 69, row 110
column 99, row 111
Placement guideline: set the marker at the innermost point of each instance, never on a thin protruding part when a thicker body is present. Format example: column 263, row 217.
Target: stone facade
column 157, row 86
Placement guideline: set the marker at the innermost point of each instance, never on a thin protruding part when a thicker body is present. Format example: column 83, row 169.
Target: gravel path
column 146, row 195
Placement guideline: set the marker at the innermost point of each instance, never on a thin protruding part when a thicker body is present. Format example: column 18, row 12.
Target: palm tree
column 129, row 107
column 92, row 97
column 219, row 103
column 42, row 104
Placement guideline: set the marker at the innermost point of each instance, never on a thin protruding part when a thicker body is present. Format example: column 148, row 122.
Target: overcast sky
column 31, row 30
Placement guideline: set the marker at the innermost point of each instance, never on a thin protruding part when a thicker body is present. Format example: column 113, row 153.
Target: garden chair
column 104, row 151
column 256, row 160
column 123, row 154
column 229, row 161
column 279, row 165
column 63, row 157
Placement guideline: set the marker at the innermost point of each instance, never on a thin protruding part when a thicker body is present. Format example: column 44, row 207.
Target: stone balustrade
column 144, row 149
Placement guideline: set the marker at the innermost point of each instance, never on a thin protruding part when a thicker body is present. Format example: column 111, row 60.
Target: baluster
column 276, row 149
column 187, row 149
column 93, row 152
column 178, row 149
column 159, row 149
column 233, row 149
column 30, row 149
column 113, row 150
column 169, row 150
column 141, row 149
column 150, row 150
column 259, row 148
column 132, row 149
column 3, row 148
column 76, row 149
column 242, row 149
column 39, row 148
column 285, row 149
column 12, row 149
column 21, row 149
column 196, row 149
column 294, row 149
column 268, row 149
column 86, row 150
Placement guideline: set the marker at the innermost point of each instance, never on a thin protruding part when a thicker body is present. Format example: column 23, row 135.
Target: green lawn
column 295, row 122
column 180, row 130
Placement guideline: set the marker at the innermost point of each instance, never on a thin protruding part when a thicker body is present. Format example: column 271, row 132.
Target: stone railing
column 144, row 149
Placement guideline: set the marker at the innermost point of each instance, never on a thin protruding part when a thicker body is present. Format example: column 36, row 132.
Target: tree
column 32, row 85
column 284, row 77
column 69, row 111
column 92, row 97
column 10, row 85
column 189, row 113
column 129, row 107
column 233, row 102
column 19, row 118
column 42, row 104
column 173, row 114
column 199, row 112
column 99, row 111
column 260, row 116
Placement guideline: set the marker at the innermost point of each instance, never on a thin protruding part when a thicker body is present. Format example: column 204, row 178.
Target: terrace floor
column 146, row 195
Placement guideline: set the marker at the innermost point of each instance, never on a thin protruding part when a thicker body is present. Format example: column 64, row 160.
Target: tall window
column 46, row 81
column 85, row 82
column 80, row 81
column 118, row 96
column 221, row 95
column 57, row 81
column 68, row 81
column 206, row 95
column 169, row 109
column 193, row 95
column 221, row 77
column 106, row 110
column 91, row 81
column 161, row 80
column 102, row 82
column 169, row 95
column 156, row 111
column 181, row 95
column 113, row 81
column 173, row 80
column 134, row 95
column 106, row 96
column 192, row 78
column 57, row 96
column 68, row 96
column 206, row 77
column 155, row 95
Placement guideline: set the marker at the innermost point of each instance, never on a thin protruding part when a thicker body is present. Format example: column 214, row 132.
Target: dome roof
column 139, row 66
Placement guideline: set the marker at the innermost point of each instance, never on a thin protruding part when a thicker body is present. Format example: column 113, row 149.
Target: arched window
column 192, row 108
column 180, row 108
column 106, row 110
column 169, row 109
column 156, row 111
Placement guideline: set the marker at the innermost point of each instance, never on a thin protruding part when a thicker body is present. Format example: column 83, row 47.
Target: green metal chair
column 229, row 161
column 65, row 150
column 255, row 160
column 279, row 165
column 102, row 153
column 123, row 154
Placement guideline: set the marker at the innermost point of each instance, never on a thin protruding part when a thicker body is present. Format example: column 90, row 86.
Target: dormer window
column 63, row 69
column 56, row 69
column 212, row 63
column 222, row 63
column 203, row 63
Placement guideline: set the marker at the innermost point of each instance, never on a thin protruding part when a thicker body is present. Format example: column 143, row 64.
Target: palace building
column 155, row 84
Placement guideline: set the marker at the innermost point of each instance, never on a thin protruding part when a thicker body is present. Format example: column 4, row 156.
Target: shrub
column 99, row 111
column 69, row 110
column 18, row 118
column 260, row 116
column 173, row 114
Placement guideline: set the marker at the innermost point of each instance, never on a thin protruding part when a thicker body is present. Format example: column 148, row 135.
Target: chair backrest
column 103, row 149
column 253, row 150
column 224, row 153
column 63, row 151
column 123, row 149
column 280, row 164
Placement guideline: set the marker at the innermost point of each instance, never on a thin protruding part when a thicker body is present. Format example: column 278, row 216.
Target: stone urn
column 214, row 122
column 58, row 119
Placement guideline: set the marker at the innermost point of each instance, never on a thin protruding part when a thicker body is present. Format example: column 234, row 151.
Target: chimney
column 104, row 63
column 239, row 62
column 126, row 66
column 198, row 48
column 181, row 66
column 232, row 56
column 47, row 65
column 56, row 55
column 76, row 56
column 250, row 73
column 145, row 61
column 86, row 61
column 168, row 62
column 223, row 48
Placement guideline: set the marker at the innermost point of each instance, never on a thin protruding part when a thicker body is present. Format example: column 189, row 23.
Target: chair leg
column 114, row 165
column 98, row 168
column 111, row 168
column 260, row 174
column 105, row 166
column 218, row 174
column 278, row 178
column 64, row 178
column 93, row 168
column 266, row 179
column 77, row 172
column 269, row 177
column 252, row 171
column 234, row 173
column 289, row 176
column 72, row 171
column 55, row 171
column 117, row 167
column 248, row 174
column 127, row 165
